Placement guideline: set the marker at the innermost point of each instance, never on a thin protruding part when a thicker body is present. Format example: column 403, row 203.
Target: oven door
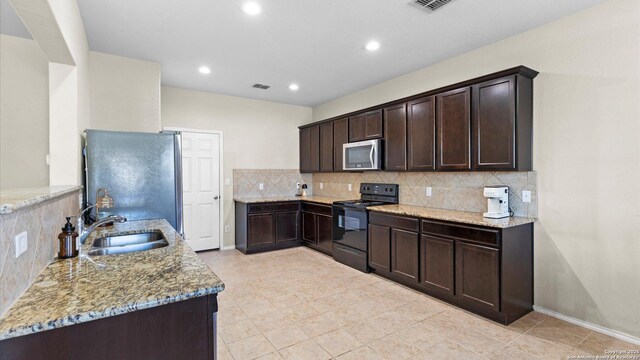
column 362, row 155
column 350, row 227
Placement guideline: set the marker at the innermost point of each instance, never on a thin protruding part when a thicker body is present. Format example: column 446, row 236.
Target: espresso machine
column 497, row 201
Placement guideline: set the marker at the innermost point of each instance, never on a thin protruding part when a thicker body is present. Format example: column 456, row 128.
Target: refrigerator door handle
column 177, row 141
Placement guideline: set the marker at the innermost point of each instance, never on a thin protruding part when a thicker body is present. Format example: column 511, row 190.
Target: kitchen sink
column 122, row 244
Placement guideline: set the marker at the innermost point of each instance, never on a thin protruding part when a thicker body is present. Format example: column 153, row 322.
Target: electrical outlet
column 227, row 228
column 261, row 186
column 297, row 186
column 526, row 196
column 227, row 181
column 428, row 192
column 321, row 186
column 80, row 201
column 350, row 187
column 20, row 243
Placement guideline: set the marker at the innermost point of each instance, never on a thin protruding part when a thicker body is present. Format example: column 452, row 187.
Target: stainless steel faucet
column 80, row 219
column 111, row 218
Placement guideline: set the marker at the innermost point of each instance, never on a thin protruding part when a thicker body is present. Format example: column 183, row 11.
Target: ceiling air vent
column 261, row 86
column 429, row 5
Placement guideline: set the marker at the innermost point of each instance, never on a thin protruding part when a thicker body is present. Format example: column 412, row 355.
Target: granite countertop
column 311, row 198
column 14, row 199
column 466, row 217
column 82, row 289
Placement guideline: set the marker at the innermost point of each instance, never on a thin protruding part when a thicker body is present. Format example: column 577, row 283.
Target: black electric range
column 350, row 222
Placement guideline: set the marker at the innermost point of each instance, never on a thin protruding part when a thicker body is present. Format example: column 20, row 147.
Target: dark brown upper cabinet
column 326, row 147
column 373, row 124
column 356, row 128
column 340, row 137
column 421, row 134
column 496, row 144
column 305, row 150
column 310, row 149
column 454, row 129
column 395, row 140
column 365, row 126
column 478, row 124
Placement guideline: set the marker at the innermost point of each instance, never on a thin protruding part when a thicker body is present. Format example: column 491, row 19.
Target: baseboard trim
column 228, row 247
column 594, row 327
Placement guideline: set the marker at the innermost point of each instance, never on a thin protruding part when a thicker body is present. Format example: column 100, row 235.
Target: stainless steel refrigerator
column 141, row 171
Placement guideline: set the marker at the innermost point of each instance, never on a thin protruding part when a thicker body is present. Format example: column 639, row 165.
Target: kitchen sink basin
column 122, row 244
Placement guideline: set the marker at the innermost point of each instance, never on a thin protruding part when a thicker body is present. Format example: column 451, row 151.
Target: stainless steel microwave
column 362, row 155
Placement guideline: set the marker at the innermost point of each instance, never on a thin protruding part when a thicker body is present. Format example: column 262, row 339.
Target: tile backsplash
column 42, row 222
column 449, row 190
column 276, row 182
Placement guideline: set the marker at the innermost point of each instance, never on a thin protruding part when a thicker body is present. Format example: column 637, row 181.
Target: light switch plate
column 428, row 192
column 261, row 186
column 227, row 181
column 20, row 243
column 227, row 228
column 526, row 196
column 321, row 186
column 350, row 187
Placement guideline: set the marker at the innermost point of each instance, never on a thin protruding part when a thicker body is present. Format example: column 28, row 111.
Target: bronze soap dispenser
column 68, row 241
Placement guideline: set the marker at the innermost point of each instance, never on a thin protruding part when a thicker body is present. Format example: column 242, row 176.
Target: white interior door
column 201, row 189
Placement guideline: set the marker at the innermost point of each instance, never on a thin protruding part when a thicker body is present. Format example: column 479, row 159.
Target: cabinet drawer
column 396, row 222
column 316, row 208
column 462, row 232
column 274, row 206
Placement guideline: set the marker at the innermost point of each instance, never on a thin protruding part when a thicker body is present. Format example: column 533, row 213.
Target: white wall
column 69, row 93
column 24, row 113
column 257, row 134
column 125, row 93
column 586, row 153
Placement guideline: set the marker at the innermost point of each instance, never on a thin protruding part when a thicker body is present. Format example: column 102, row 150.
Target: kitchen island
column 159, row 303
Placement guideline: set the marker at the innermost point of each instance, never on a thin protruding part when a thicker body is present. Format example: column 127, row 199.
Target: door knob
column 215, row 197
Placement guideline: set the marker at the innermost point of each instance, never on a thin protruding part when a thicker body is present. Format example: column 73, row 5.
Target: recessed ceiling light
column 372, row 45
column 251, row 8
column 204, row 70
column 294, row 87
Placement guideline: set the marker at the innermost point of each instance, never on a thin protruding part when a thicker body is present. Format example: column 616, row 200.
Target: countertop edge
column 91, row 316
column 285, row 199
column 493, row 223
column 8, row 208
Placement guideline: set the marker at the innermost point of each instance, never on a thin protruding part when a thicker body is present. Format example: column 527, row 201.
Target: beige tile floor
column 300, row 304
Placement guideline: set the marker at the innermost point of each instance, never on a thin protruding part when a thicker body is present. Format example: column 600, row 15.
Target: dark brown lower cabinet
column 485, row 270
column 266, row 226
column 260, row 230
column 437, row 257
column 277, row 225
column 404, row 254
column 380, row 247
column 324, row 225
column 309, row 227
column 180, row 330
column 478, row 275
column 317, row 227
column 286, row 226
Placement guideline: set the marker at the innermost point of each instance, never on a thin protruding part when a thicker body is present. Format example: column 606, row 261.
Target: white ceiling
column 317, row 44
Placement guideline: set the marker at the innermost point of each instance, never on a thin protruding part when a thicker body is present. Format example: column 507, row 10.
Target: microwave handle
column 373, row 149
